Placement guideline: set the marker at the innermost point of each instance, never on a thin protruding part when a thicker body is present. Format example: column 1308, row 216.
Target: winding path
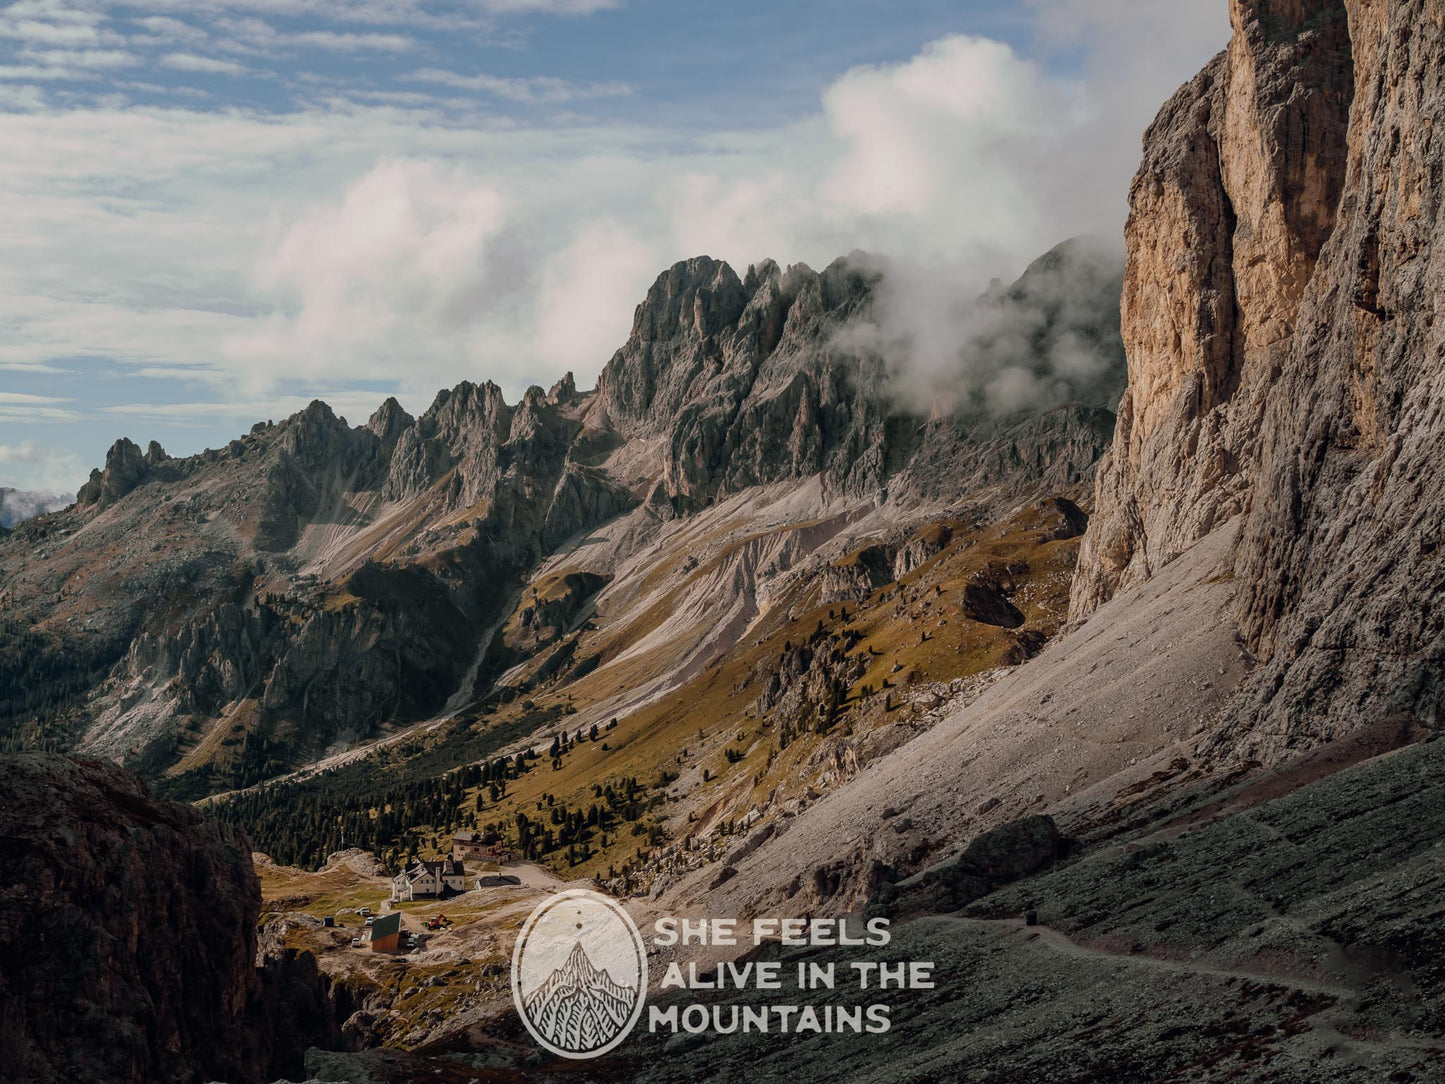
column 1325, row 1021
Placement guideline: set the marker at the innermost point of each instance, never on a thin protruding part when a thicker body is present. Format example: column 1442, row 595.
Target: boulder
column 996, row 858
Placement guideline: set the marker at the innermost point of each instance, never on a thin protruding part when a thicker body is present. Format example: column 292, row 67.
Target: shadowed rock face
column 986, row 603
column 1279, row 314
column 996, row 858
column 128, row 943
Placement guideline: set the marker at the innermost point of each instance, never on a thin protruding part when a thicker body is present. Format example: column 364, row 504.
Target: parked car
column 356, row 942
column 370, row 920
column 364, row 912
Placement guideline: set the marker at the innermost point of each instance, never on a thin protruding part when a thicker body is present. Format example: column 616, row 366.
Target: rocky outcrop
column 1279, row 314
column 925, row 544
column 548, row 610
column 125, row 468
column 1070, row 518
column 465, row 426
column 767, row 378
column 128, row 944
column 858, row 575
column 806, row 690
column 986, row 602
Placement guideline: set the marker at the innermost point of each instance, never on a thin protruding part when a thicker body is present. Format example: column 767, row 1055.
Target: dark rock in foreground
column 128, row 937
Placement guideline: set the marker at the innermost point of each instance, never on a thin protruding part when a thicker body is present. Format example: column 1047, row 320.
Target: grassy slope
column 689, row 730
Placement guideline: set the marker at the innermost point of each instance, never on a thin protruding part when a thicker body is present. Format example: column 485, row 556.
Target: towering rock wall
column 128, row 944
column 1285, row 363
column 1236, row 194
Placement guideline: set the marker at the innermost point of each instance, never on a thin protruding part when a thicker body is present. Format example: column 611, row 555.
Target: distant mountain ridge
column 260, row 605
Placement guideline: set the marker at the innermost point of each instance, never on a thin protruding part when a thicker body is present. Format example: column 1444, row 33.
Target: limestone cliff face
column 1242, row 171
column 1284, row 360
column 128, row 944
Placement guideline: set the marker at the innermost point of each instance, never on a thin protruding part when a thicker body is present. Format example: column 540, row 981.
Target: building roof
column 466, row 837
column 386, row 925
column 448, row 867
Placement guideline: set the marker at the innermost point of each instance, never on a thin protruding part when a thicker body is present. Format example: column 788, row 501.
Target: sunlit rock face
column 1279, row 314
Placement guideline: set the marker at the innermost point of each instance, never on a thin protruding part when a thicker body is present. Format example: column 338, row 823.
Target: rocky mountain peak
column 564, row 392
column 315, row 436
column 126, row 467
column 697, row 297
column 388, row 422
column 759, row 273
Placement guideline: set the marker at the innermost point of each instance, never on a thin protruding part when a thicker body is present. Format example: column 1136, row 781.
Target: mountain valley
column 1123, row 703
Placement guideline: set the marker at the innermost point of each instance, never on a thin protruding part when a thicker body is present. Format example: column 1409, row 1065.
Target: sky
column 214, row 211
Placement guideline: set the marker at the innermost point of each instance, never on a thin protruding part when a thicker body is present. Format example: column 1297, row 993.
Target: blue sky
column 215, row 210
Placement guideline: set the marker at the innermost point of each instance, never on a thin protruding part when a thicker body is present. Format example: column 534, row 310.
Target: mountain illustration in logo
column 579, row 1007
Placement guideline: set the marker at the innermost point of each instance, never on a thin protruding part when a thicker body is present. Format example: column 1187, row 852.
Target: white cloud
column 20, row 408
column 405, row 247
column 28, row 415
column 55, row 10
column 15, row 507
column 351, row 43
column 957, row 126
column 21, row 99
column 50, row 471
column 587, row 293
column 388, row 243
column 464, row 14
column 203, row 65
column 531, row 91
column 258, row 37
column 164, row 30
column 548, row 7
column 25, row 452
column 70, row 34
column 15, row 398
column 83, row 59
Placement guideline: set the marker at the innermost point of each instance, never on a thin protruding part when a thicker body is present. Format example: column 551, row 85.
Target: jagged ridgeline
column 216, row 620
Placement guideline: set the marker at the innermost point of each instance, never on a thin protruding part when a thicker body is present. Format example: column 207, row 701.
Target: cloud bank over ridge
column 358, row 246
